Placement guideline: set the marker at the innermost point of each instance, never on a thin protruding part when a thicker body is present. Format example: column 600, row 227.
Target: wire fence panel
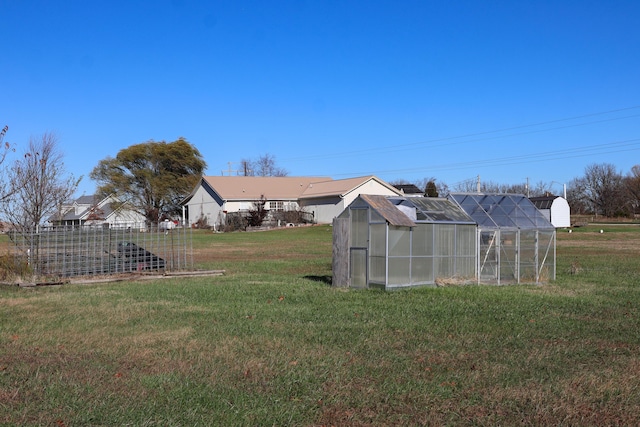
column 98, row 250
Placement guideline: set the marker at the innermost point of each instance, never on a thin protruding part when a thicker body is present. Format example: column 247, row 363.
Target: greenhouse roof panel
column 502, row 210
column 387, row 210
column 434, row 209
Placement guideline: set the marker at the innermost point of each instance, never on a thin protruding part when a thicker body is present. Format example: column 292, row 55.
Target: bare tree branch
column 39, row 184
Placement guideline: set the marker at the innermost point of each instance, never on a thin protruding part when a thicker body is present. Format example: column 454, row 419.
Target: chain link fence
column 100, row 250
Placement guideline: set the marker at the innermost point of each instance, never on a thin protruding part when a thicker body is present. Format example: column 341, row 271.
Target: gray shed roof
column 543, row 202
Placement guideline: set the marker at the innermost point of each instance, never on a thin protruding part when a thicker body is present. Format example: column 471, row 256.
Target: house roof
column 283, row 187
column 340, row 187
column 253, row 187
column 87, row 200
column 88, row 205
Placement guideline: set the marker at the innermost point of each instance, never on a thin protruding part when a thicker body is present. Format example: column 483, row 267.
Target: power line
column 607, row 148
column 430, row 143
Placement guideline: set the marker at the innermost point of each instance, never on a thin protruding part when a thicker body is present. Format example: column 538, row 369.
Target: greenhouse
column 393, row 242
column 516, row 242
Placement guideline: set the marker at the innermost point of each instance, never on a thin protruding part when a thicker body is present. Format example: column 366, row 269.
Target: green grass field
column 271, row 343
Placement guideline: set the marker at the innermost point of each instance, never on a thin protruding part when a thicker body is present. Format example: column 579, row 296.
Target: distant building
column 409, row 190
column 92, row 210
column 555, row 209
column 322, row 198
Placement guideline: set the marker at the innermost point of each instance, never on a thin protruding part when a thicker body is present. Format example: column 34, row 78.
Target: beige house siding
column 324, row 197
column 370, row 187
column 326, row 208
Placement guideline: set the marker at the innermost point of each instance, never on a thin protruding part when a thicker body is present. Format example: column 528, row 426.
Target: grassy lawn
column 271, row 343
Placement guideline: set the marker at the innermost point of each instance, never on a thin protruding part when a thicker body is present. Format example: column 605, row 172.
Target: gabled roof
column 88, row 205
column 341, row 187
column 86, row 200
column 253, row 187
column 283, row 187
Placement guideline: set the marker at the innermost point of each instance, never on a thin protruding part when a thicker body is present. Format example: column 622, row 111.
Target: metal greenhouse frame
column 392, row 242
column 516, row 242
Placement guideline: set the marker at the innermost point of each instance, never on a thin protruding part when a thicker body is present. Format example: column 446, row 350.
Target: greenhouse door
column 488, row 267
column 358, row 267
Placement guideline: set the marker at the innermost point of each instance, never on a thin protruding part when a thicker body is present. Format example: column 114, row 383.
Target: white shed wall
column 560, row 213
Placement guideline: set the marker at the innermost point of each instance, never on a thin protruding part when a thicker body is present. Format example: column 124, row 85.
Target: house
column 555, row 208
column 93, row 210
column 395, row 242
column 322, row 198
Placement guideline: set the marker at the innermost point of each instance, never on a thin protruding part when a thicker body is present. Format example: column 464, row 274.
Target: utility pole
column 229, row 171
column 478, row 184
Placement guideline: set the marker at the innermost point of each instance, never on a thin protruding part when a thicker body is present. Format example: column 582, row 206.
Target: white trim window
column 276, row 206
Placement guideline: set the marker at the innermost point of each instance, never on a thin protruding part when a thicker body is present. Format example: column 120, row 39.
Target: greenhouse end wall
column 516, row 256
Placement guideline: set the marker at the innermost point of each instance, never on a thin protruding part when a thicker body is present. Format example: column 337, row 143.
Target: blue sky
column 507, row 90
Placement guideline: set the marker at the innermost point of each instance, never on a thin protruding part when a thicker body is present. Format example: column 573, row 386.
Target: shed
column 516, row 243
column 555, row 209
column 395, row 242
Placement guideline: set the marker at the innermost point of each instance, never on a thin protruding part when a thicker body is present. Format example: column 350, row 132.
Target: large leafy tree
column 152, row 177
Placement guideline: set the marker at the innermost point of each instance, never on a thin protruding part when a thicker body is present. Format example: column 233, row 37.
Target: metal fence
column 99, row 250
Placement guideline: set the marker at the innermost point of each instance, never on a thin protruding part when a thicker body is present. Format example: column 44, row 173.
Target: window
column 276, row 206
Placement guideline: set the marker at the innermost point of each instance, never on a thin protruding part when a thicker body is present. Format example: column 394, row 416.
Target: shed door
column 358, row 267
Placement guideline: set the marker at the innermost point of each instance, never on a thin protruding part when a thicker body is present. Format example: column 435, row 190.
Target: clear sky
column 507, row 90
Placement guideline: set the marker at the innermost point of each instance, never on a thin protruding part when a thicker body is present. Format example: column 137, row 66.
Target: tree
column 265, row 165
column 576, row 197
column 604, row 189
column 256, row 216
column 5, row 148
column 152, row 177
column 431, row 190
column 39, row 184
column 632, row 188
